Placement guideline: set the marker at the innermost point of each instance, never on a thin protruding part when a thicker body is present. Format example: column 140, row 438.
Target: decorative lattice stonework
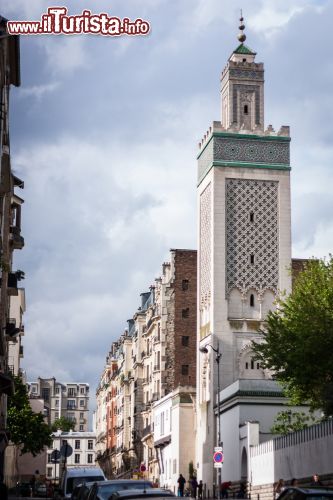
column 252, row 235
column 205, row 244
column 247, row 74
column 248, row 150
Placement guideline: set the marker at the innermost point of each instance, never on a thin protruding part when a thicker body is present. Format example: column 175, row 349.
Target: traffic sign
column 55, row 455
column 218, row 457
column 66, row 450
column 218, row 448
column 142, row 468
column 217, row 465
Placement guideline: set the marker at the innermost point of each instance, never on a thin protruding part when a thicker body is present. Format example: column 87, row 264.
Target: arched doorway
column 244, row 465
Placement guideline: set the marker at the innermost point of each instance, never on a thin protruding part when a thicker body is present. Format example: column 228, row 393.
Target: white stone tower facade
column 244, row 239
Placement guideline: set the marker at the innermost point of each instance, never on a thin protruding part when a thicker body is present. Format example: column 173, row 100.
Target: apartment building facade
column 10, row 223
column 69, row 400
column 14, row 357
column 153, row 357
column 15, row 344
column 83, row 453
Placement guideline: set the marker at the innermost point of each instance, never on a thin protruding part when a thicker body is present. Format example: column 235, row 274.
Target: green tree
column 62, row 423
column 290, row 421
column 27, row 428
column 298, row 338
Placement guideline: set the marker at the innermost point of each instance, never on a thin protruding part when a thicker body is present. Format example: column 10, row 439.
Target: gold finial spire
column 241, row 36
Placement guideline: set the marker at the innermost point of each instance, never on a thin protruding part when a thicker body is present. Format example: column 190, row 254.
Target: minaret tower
column 244, row 244
column 242, row 89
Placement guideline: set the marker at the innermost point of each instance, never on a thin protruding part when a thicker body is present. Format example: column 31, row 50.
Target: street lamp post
column 218, row 356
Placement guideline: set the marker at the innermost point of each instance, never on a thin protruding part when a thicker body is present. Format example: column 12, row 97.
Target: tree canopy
column 298, row 338
column 290, row 421
column 26, row 427
column 63, row 424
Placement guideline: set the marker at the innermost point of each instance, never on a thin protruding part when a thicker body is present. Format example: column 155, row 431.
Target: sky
column 105, row 132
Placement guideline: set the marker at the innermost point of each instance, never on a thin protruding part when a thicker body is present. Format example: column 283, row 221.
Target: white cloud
column 38, row 91
column 23, row 10
column 273, row 16
column 65, row 54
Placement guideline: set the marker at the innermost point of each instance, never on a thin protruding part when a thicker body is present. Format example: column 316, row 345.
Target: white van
column 78, row 475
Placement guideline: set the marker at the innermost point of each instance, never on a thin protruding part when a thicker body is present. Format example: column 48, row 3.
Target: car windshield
column 106, row 490
column 74, row 481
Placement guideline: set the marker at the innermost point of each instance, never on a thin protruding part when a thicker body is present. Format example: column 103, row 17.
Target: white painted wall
column 237, row 410
column 179, row 422
column 300, row 454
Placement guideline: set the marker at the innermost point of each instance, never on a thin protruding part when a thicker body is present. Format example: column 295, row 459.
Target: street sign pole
column 54, row 459
column 65, row 451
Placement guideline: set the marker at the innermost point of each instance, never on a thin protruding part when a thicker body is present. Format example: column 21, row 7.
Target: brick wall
column 185, row 317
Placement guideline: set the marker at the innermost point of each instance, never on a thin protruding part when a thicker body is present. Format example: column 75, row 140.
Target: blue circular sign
column 218, row 457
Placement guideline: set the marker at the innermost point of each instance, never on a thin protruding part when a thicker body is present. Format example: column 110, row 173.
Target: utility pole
column 219, row 444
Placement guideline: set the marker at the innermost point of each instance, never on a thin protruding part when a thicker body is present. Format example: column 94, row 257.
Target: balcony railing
column 11, row 330
column 146, row 430
column 15, row 237
column 156, row 396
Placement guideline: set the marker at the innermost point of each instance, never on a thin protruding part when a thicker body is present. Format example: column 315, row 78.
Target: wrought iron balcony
column 156, row 396
column 16, row 239
column 146, row 430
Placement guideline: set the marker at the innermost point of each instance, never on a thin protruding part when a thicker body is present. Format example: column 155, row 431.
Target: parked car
column 24, row 489
column 81, row 491
column 79, row 475
column 40, row 490
column 76, row 492
column 293, row 493
column 142, row 494
column 102, row 490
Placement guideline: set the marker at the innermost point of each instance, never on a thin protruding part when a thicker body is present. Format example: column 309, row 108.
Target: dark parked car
column 102, row 490
column 24, row 489
column 40, row 490
column 149, row 493
column 81, row 491
column 306, row 493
